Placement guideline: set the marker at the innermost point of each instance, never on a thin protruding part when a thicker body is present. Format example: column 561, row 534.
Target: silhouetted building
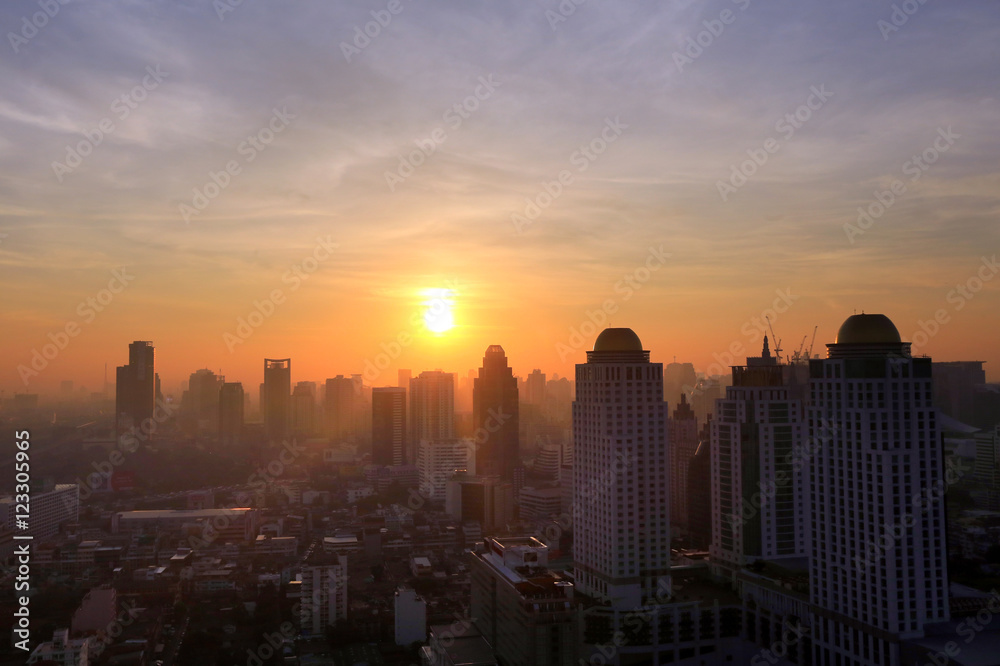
column 495, row 417
column 304, row 408
column 276, row 398
column 200, row 403
column 342, row 405
column 758, row 480
column 534, row 388
column 878, row 570
column 682, row 433
column 487, row 500
column 389, row 426
column 955, row 385
column 135, row 390
column 231, row 405
column 678, row 378
column 432, row 408
column 699, row 499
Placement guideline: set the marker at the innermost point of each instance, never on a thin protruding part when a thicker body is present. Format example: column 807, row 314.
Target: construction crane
column 797, row 356
column 777, row 341
column 813, row 343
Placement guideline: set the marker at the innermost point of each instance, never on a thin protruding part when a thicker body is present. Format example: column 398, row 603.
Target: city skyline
column 660, row 168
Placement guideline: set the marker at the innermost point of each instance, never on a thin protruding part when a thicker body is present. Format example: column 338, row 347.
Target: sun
column 438, row 317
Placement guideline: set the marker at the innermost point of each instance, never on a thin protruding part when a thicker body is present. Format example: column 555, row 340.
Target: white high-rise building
column 432, row 409
column 758, row 470
column 878, row 569
column 324, row 593
column 437, row 462
column 621, row 511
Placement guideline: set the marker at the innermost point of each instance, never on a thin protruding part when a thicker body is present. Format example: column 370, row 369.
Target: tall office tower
column 135, row 391
column 495, row 417
column 388, row 426
column 534, row 388
column 621, row 514
column 682, row 433
column 276, row 397
column 678, row 378
column 432, row 409
column 699, row 499
column 547, row 463
column 403, row 379
column 706, row 392
column 304, row 408
column 758, row 489
column 877, row 572
column 340, row 405
column 231, row 404
column 200, row 403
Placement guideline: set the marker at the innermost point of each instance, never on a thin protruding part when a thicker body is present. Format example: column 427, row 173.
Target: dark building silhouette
column 495, row 418
column 682, row 438
column 200, row 403
column 304, row 408
column 276, row 397
column 432, row 409
column 699, row 500
column 231, row 403
column 341, row 406
column 135, row 390
column 389, row 426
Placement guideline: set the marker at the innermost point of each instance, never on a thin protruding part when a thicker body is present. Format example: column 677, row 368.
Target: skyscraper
column 682, row 433
column 534, row 388
column 432, row 408
column 340, row 406
column 277, row 397
column 389, row 426
column 231, row 405
column 495, row 416
column 135, row 390
column 758, row 484
column 878, row 569
column 303, row 402
column 621, row 512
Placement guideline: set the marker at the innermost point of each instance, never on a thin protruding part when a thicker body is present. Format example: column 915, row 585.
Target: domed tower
column 878, row 566
column 621, row 537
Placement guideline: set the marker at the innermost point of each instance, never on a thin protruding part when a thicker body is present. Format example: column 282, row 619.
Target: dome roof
column 868, row 329
column 617, row 340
